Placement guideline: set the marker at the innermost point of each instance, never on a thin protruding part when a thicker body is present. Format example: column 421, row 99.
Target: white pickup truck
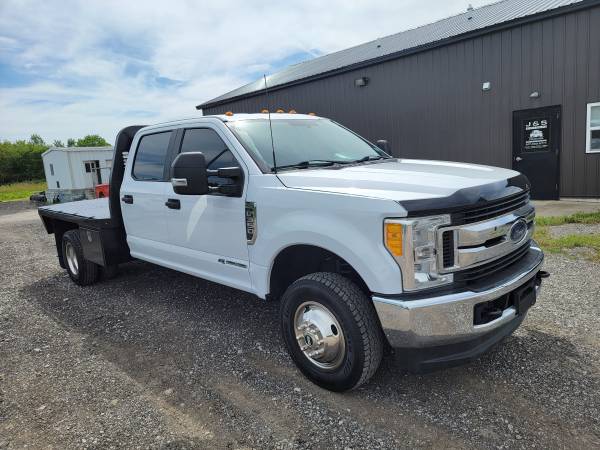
column 364, row 251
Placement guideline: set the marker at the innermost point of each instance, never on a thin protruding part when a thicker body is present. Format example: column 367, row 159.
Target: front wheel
column 331, row 331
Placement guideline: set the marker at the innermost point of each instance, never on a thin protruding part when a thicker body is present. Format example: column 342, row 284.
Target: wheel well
column 297, row 261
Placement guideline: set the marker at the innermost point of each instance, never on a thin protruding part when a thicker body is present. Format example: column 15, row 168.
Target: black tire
column 86, row 272
column 354, row 312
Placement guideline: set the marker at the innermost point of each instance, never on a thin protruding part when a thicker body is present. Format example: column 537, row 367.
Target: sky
column 71, row 68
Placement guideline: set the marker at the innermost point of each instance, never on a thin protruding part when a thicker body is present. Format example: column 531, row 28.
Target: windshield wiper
column 368, row 158
column 310, row 163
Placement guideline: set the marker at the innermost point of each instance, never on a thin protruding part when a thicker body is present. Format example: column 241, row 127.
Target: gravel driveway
column 158, row 359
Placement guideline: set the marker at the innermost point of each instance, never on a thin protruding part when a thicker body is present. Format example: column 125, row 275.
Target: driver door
column 207, row 233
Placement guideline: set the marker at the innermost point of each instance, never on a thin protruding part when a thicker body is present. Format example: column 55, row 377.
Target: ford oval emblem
column 518, row 231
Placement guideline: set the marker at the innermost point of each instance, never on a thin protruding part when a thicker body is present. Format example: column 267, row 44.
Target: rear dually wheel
column 81, row 271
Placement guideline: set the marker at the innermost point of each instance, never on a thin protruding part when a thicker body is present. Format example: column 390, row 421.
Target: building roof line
column 545, row 14
column 78, row 149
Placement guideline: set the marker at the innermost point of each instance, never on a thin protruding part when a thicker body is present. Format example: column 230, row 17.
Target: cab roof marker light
column 229, row 114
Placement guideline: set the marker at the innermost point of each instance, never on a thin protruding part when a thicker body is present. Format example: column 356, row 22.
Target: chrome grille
column 491, row 209
column 476, row 273
column 469, row 246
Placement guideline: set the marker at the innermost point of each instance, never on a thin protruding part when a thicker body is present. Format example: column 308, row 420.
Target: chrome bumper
column 447, row 319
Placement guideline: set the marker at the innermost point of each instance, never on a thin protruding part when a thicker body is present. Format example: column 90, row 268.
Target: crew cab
column 363, row 251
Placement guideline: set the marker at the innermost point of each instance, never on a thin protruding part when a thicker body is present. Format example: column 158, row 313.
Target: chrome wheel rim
column 319, row 335
column 71, row 257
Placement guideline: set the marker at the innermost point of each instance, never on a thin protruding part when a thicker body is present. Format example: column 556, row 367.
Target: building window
column 51, row 170
column 593, row 128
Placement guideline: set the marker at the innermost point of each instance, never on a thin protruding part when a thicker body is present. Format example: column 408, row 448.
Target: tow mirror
column 235, row 174
column 189, row 175
column 226, row 172
column 384, row 145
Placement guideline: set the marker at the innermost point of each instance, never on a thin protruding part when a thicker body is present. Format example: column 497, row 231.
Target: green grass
column 20, row 191
column 588, row 218
column 559, row 244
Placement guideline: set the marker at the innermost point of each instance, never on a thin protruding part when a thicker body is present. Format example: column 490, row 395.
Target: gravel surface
column 574, row 228
column 158, row 359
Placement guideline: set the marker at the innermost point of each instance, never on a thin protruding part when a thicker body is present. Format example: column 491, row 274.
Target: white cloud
column 69, row 68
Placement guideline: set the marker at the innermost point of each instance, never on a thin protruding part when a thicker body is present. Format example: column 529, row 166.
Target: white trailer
column 72, row 173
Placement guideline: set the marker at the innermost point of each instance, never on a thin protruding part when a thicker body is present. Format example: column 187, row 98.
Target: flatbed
column 99, row 221
column 83, row 212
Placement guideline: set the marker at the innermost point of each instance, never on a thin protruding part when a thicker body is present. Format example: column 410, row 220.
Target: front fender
column 354, row 234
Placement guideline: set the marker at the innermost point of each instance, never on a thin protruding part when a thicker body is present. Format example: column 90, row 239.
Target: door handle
column 173, row 203
column 127, row 199
column 518, row 158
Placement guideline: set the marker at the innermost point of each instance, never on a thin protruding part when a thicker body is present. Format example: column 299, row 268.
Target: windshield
column 302, row 141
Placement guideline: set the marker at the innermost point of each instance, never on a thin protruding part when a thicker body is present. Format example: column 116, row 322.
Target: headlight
column 412, row 243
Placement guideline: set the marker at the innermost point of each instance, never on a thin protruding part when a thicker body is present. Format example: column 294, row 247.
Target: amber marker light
column 264, row 111
column 393, row 238
column 229, row 113
column 280, row 111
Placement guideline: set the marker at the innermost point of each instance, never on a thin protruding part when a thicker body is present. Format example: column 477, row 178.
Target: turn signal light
column 393, row 238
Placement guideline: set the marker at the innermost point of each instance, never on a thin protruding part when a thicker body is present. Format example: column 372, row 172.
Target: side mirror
column 383, row 145
column 188, row 174
column 226, row 172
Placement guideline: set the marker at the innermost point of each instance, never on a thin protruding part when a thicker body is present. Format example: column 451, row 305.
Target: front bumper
column 447, row 320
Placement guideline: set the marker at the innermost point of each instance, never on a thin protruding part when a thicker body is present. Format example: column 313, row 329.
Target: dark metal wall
column 431, row 104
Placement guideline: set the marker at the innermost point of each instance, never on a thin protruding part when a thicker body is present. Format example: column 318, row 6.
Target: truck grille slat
column 474, row 274
column 448, row 248
column 491, row 209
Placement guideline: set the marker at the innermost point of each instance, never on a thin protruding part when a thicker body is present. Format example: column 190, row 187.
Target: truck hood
column 408, row 180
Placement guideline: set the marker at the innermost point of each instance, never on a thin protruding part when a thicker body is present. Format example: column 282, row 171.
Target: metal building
column 72, row 173
column 512, row 84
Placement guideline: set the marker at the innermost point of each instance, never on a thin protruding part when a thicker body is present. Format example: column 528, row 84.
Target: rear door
column 143, row 196
column 536, row 149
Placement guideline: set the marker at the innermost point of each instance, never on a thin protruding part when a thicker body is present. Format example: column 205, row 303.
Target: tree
column 58, row 143
column 92, row 140
column 22, row 160
column 36, row 139
column 71, row 142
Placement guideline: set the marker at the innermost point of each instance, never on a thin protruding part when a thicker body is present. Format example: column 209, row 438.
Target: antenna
column 270, row 124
